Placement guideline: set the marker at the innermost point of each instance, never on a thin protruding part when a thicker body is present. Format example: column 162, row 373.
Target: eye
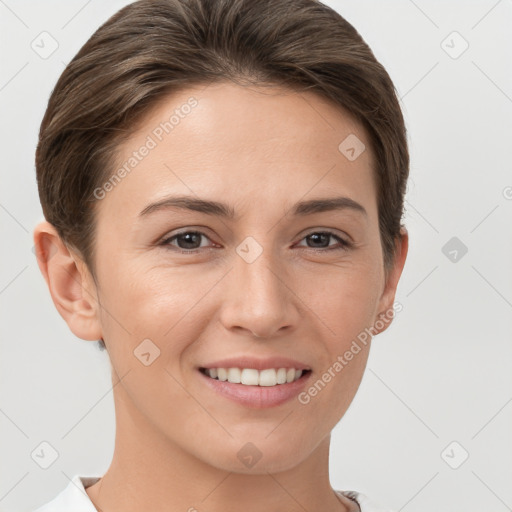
column 323, row 237
column 188, row 241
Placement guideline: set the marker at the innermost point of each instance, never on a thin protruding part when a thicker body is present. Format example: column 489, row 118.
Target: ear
column 70, row 283
column 387, row 299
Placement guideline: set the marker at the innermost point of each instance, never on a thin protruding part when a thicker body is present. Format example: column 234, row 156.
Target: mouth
column 270, row 377
column 256, row 389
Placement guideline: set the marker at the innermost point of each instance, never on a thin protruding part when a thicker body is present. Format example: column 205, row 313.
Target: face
column 285, row 276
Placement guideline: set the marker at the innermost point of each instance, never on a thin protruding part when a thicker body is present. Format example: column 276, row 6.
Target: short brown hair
column 151, row 48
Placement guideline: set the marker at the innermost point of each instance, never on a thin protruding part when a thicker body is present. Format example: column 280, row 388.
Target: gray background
column 440, row 374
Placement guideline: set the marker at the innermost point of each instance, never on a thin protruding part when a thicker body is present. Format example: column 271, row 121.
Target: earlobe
column 71, row 288
column 386, row 311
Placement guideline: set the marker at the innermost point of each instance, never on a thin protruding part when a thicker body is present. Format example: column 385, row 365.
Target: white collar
column 73, row 495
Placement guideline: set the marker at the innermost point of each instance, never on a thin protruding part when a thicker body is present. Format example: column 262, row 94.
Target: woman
column 223, row 185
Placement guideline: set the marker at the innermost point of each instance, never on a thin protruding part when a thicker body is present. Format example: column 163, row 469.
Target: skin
column 260, row 151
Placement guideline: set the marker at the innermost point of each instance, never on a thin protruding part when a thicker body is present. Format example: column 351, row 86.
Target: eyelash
column 344, row 244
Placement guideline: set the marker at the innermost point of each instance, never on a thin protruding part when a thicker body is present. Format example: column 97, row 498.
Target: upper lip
column 257, row 363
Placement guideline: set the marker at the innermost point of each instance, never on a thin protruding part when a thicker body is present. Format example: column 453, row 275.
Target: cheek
column 156, row 312
column 343, row 311
column 342, row 302
column 344, row 308
column 151, row 299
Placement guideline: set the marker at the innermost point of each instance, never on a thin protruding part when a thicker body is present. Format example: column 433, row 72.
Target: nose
column 260, row 299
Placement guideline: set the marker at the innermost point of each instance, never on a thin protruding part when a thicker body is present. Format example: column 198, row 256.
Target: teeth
column 234, row 375
column 249, row 377
column 252, row 377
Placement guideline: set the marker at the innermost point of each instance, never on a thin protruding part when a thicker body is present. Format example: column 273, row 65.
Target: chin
column 258, row 457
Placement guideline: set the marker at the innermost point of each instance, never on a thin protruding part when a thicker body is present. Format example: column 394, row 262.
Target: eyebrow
column 219, row 209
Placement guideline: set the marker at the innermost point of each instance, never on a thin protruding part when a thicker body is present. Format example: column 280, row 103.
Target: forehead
column 246, row 143
column 269, row 118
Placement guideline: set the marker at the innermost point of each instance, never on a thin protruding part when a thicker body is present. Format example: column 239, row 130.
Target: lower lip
column 257, row 397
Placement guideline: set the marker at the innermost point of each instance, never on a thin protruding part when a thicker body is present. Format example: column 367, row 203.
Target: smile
column 255, row 388
column 252, row 377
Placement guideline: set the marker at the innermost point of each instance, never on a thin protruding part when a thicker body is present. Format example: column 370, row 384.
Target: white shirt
column 74, row 498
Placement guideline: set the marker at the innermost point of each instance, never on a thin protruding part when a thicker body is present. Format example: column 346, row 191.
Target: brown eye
column 188, row 241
